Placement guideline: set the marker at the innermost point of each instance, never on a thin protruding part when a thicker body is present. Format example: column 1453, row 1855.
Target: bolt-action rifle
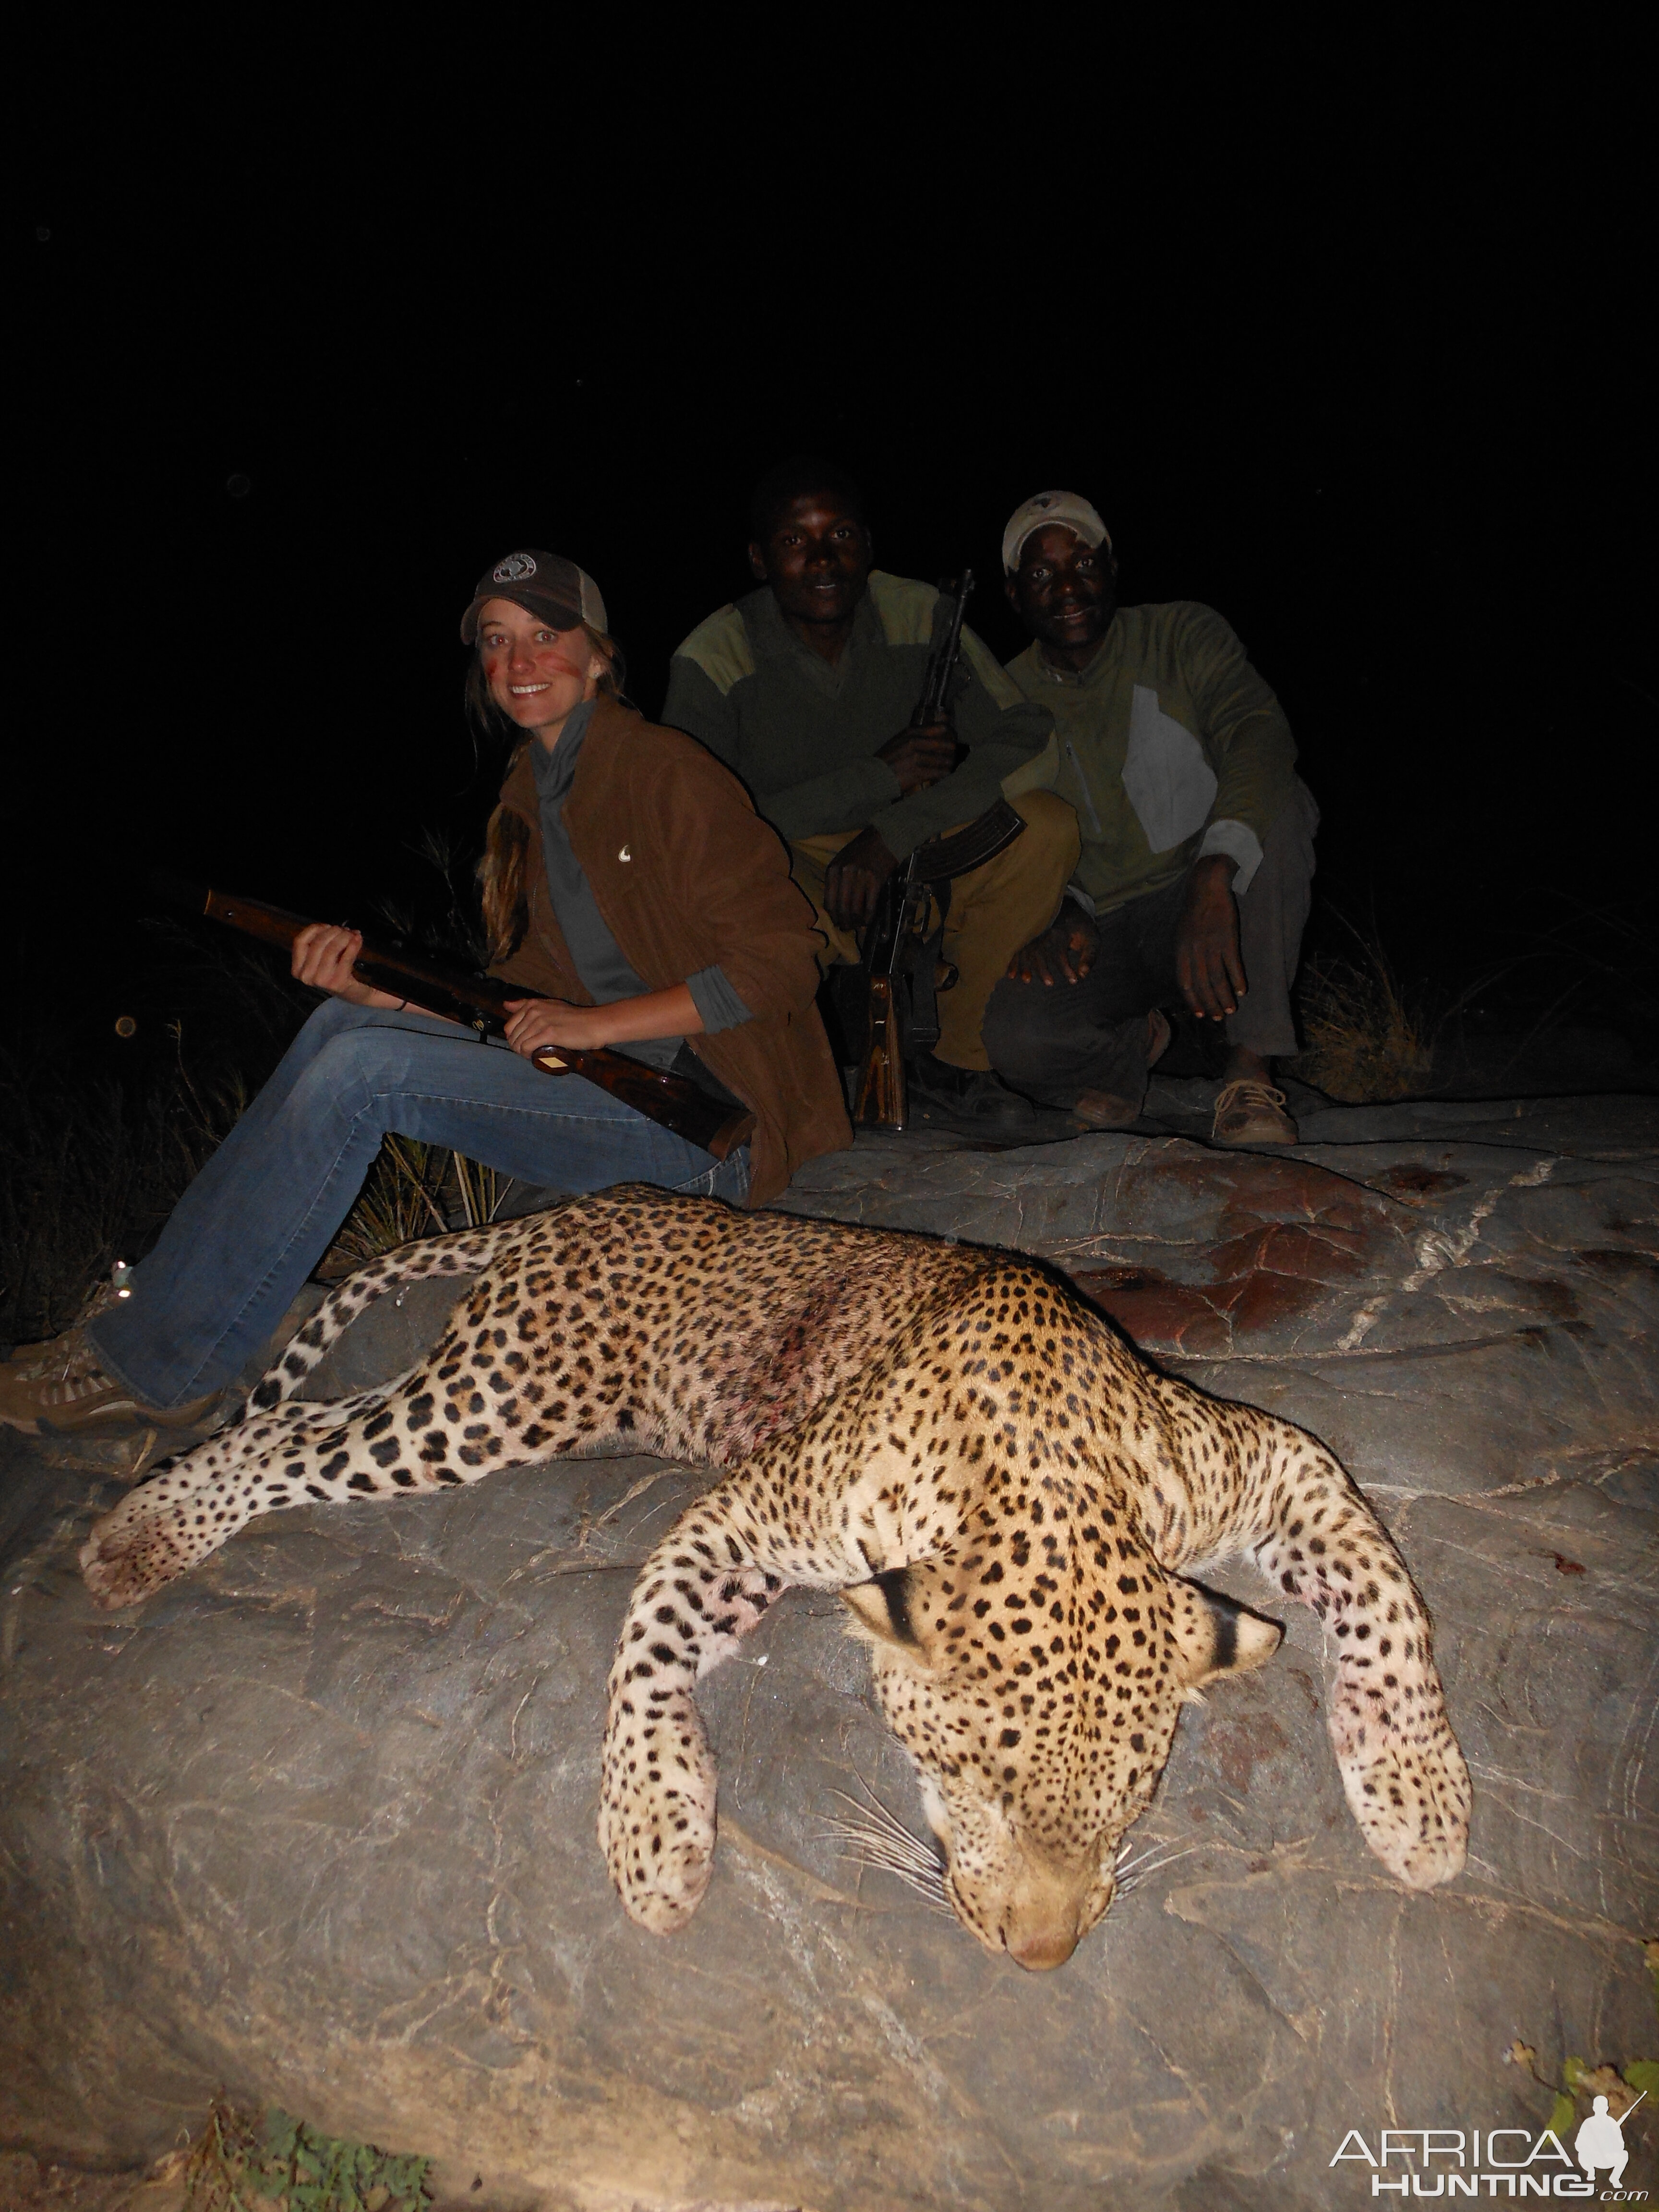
column 479, row 1003
column 903, row 973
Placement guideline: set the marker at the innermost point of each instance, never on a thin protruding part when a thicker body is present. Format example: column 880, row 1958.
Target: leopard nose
column 1039, row 1950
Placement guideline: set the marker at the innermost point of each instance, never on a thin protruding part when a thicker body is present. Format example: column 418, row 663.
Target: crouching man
column 1194, row 881
column 808, row 687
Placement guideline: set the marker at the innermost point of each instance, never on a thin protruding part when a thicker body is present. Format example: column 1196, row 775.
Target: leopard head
column 1037, row 1695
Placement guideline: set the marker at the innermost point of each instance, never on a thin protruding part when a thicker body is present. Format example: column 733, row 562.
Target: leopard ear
column 883, row 1606
column 1218, row 1636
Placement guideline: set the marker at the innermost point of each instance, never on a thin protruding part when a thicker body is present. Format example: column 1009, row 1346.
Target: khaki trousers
column 993, row 911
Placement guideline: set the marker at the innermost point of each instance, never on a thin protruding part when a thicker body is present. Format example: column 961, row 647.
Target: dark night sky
column 1352, row 347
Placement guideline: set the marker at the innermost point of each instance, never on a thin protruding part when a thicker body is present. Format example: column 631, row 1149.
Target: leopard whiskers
column 1129, row 1873
column 877, row 1838
column 871, row 1809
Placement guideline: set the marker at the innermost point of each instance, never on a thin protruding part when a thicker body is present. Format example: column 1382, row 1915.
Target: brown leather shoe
column 1104, row 1109
column 1248, row 1112
column 62, row 1391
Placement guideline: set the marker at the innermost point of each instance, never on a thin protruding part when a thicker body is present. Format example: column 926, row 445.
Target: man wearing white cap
column 1194, row 880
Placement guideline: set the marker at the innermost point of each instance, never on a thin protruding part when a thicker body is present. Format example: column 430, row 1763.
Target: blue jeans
column 264, row 1210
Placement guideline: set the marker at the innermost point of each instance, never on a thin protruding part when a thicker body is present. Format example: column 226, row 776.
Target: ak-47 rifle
column 902, row 978
column 480, row 1003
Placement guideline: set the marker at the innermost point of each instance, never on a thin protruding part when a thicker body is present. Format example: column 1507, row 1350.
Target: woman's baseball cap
column 543, row 584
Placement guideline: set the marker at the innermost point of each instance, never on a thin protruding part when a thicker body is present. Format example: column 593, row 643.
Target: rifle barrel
column 880, row 1095
column 941, row 665
column 479, row 1003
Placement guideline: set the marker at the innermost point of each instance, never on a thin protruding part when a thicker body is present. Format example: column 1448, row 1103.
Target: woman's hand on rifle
column 535, row 1023
column 323, row 957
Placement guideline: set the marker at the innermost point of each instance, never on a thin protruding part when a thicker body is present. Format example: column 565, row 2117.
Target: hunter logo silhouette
column 1600, row 2142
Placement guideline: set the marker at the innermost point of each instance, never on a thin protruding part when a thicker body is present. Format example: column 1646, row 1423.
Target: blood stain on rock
column 1620, row 1263
column 1414, row 1183
column 1237, row 1745
column 1287, row 1233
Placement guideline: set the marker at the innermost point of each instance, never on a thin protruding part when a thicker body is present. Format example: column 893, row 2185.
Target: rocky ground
column 316, row 1826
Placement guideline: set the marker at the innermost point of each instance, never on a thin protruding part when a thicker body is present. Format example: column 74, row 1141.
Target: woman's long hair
column 502, row 889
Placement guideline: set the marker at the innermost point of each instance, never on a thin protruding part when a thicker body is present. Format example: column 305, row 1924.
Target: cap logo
column 513, row 569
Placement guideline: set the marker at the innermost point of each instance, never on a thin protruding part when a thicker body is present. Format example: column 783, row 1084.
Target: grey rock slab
column 402, row 1325
column 1613, row 1123
column 1612, row 1128
column 316, row 1824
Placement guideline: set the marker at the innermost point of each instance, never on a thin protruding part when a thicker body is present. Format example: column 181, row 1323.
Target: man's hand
column 1208, row 964
column 1063, row 954
column 323, row 957
column 922, row 755
column 852, row 881
column 535, row 1024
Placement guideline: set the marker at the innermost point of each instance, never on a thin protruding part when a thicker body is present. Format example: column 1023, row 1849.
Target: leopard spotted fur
column 1005, row 1494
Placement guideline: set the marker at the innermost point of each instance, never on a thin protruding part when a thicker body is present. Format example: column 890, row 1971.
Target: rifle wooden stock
column 479, row 1003
column 883, row 1101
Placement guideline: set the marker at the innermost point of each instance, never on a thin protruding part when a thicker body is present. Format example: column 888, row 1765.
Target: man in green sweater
column 1197, row 841
column 808, row 687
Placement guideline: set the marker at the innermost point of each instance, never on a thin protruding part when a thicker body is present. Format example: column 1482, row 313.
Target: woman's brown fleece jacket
column 686, row 876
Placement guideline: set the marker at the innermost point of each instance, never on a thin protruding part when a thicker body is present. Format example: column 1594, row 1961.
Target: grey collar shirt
column 599, row 960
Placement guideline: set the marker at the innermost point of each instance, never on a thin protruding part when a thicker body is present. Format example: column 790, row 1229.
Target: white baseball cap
column 1068, row 507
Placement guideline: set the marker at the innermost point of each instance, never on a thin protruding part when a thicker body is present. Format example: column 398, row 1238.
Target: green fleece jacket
column 803, row 732
column 1169, row 745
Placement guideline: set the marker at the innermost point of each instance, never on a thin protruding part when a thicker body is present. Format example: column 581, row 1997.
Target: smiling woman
column 632, row 894
column 532, row 676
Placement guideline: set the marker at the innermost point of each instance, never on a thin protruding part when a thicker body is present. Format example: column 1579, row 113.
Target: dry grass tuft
column 96, row 1150
column 412, row 1190
column 240, row 2164
column 1366, row 1040
column 401, row 1200
column 88, row 1175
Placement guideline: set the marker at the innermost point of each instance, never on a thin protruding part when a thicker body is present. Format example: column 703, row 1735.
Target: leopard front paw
column 657, row 1816
column 129, row 1554
column 660, row 1882
column 1412, row 1800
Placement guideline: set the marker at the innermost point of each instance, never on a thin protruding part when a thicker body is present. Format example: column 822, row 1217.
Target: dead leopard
column 1002, row 1491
